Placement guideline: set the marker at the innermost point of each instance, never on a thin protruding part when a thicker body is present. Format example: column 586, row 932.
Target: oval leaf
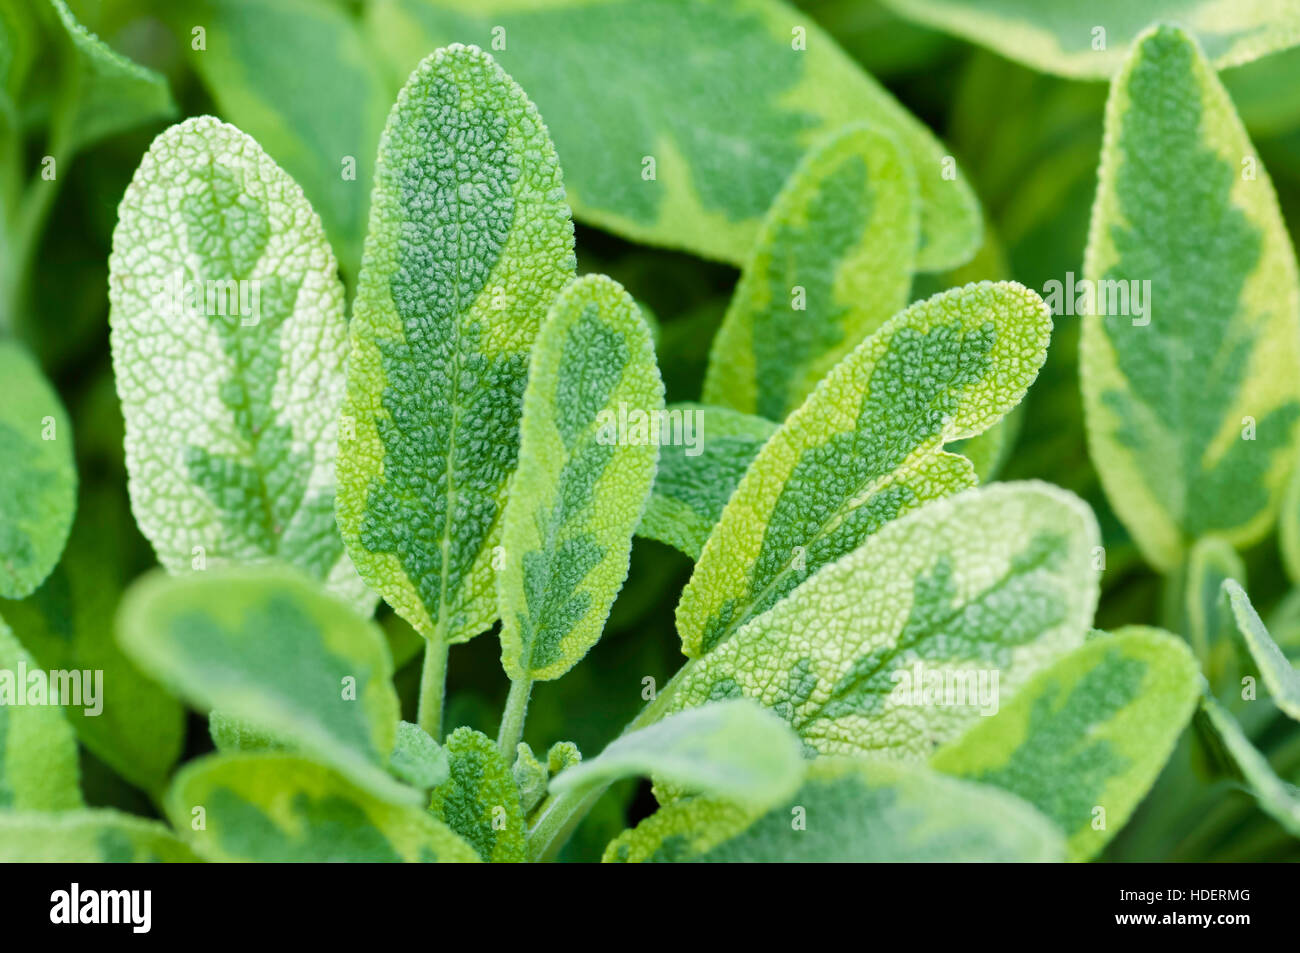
column 280, row 808
column 854, row 811
column 733, row 750
column 833, row 261
column 269, row 646
column 864, row 448
column 469, row 241
column 588, row 444
column 974, row 593
column 1191, row 399
column 229, row 342
column 38, row 483
column 480, row 800
column 1084, row 740
column 670, row 157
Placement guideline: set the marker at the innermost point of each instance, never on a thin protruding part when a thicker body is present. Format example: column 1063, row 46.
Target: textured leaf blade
column 992, row 583
column 832, row 262
column 87, row 836
column 38, row 751
column 697, row 476
column 583, row 477
column 38, row 483
column 112, row 93
column 1058, row 36
column 229, row 343
column 280, row 808
column 1092, row 731
column 270, row 65
column 480, row 800
column 733, row 750
column 697, row 60
column 866, row 447
column 140, row 728
column 851, row 811
column 1279, row 675
column 1183, row 202
column 269, row 646
column 469, row 241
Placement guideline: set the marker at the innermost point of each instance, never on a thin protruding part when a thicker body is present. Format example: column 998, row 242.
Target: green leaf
column 974, row 593
column 588, row 445
column 267, row 645
column 623, row 81
column 1279, row 675
column 531, row 777
column 417, row 758
column 851, row 810
column 87, row 836
column 1277, row 798
column 38, row 751
column 140, row 728
column 1062, row 36
column 104, row 92
column 698, row 474
column 281, row 808
column 481, row 802
column 38, row 483
column 832, row 262
column 229, row 343
column 733, row 750
column 1191, row 417
column 1084, row 740
column 231, row 734
column 1288, row 526
column 298, row 77
column 866, row 447
column 469, row 241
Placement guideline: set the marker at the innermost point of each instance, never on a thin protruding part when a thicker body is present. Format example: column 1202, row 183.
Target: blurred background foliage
column 1028, row 143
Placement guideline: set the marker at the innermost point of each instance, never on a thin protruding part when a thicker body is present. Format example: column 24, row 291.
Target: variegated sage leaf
column 469, row 241
column 1280, row 677
column 1193, row 331
column 864, row 448
column 480, row 800
column 670, row 157
column 38, row 751
column 832, row 262
column 281, row 808
column 698, row 474
column 267, row 646
column 1090, row 40
column 851, row 810
column 735, row 750
column 98, row 835
column 900, row 645
column 38, row 481
column 229, row 342
column 1084, row 740
column 588, row 444
column 1279, row 799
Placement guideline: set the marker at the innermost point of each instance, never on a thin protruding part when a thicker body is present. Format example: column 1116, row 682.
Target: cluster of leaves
column 350, row 375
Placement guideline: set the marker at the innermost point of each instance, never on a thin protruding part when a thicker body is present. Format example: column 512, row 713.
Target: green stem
column 512, row 719
column 433, row 685
column 560, row 815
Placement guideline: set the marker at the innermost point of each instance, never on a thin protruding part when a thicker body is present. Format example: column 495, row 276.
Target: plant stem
column 512, row 719
column 433, row 685
column 560, row 815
